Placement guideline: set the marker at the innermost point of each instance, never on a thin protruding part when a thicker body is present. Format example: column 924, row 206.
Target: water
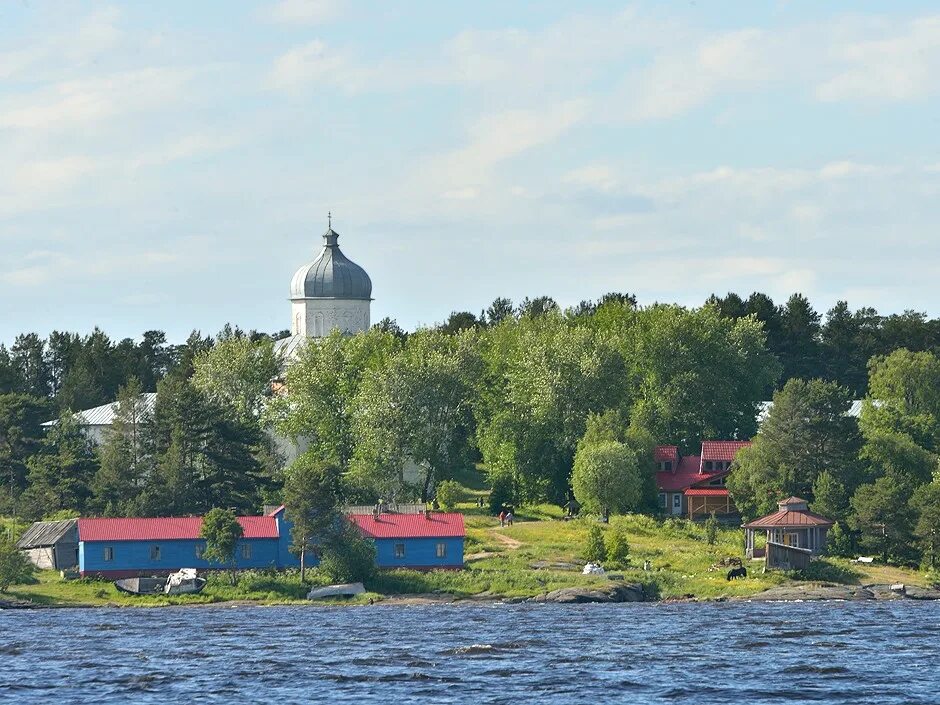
column 481, row 653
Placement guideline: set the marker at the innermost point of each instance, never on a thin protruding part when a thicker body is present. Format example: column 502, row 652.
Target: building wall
column 419, row 553
column 316, row 318
column 42, row 558
column 134, row 556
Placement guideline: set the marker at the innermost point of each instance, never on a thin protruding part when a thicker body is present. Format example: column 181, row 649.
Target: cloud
column 305, row 12
column 314, row 62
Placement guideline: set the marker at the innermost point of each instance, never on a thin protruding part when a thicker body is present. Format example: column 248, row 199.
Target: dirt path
column 507, row 541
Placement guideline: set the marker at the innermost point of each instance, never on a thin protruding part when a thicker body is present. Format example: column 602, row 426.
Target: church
column 330, row 293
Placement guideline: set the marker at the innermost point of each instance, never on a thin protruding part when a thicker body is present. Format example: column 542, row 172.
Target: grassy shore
column 540, row 553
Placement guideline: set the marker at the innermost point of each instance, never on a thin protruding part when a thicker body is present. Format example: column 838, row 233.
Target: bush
column 15, row 568
column 711, row 530
column 838, row 541
column 618, row 550
column 501, row 493
column 349, row 558
column 594, row 549
column 449, row 493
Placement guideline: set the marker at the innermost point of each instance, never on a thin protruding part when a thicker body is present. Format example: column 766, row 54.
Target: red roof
column 686, row 474
column 787, row 519
column 706, row 492
column 409, row 526
column 722, row 450
column 662, row 454
column 166, row 529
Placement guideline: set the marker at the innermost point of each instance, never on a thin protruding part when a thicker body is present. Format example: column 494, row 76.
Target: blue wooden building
column 423, row 541
column 119, row 548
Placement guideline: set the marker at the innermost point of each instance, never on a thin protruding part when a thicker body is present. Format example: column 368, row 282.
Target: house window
column 708, row 465
column 442, row 550
column 154, row 553
column 246, row 551
column 662, row 500
column 677, row 501
column 399, row 550
column 200, row 550
column 109, row 553
column 668, row 466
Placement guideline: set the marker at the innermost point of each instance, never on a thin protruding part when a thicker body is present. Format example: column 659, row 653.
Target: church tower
column 332, row 292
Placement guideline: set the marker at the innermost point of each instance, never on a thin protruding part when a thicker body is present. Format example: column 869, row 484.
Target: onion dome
column 331, row 275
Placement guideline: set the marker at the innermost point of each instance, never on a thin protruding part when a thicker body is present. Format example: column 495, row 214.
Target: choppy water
column 701, row 653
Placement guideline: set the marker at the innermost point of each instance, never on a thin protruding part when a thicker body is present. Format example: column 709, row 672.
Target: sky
column 170, row 165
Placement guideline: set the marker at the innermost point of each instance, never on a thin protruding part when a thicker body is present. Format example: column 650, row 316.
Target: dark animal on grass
column 736, row 573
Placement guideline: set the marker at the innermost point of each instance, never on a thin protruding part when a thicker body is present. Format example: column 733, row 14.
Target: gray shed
column 51, row 545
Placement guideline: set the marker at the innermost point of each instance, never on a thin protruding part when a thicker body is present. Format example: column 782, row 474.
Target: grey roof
column 46, row 533
column 104, row 415
column 331, row 275
column 288, row 349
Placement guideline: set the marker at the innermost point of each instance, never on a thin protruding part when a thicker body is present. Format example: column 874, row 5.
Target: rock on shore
column 790, row 593
column 614, row 592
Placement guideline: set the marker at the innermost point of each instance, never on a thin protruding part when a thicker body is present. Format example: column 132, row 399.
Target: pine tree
column 594, row 549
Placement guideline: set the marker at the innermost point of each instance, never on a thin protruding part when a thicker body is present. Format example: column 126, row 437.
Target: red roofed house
column 694, row 485
column 791, row 530
column 423, row 541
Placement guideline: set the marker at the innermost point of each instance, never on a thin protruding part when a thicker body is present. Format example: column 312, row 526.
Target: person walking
column 509, row 518
column 502, row 518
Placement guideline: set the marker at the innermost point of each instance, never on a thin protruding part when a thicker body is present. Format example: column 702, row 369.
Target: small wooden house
column 792, row 526
column 694, row 485
column 51, row 545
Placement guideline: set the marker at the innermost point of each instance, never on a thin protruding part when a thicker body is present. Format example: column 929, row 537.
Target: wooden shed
column 51, row 545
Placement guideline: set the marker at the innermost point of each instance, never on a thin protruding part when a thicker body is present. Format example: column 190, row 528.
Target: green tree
column 60, row 475
column 906, row 386
column 311, row 498
column 348, row 557
column 416, row 408
column 499, row 311
column 124, row 460
column 15, row 568
column 926, row 502
column 839, row 541
column 884, row 517
column 21, row 438
column 221, row 532
column 606, row 478
column 618, row 550
column 829, row 496
column 594, row 548
column 236, row 373
column 28, row 355
column 806, row 433
column 711, row 530
column 448, row 493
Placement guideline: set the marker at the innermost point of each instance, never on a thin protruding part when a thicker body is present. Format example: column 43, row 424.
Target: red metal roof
column 407, row 526
column 686, row 474
column 789, row 519
column 166, row 529
column 662, row 454
column 722, row 450
column 706, row 492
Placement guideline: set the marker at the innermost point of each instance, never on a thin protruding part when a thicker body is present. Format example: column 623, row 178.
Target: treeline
column 809, row 345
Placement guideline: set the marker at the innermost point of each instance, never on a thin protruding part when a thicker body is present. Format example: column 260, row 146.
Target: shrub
column 449, row 493
column 15, row 568
column 501, row 492
column 349, row 558
column 594, row 549
column 711, row 530
column 618, row 550
column 838, row 541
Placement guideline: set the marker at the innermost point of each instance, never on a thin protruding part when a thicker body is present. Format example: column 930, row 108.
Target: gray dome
column 331, row 275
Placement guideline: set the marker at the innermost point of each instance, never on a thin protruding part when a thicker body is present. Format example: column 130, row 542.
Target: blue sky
column 169, row 165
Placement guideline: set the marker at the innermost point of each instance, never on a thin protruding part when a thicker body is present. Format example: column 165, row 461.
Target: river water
column 885, row 652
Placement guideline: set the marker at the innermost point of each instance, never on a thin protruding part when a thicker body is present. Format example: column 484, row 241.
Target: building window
column 109, row 553
column 668, row 465
column 399, row 550
column 708, row 465
column 662, row 500
column 246, row 551
column 677, row 501
column 200, row 550
column 442, row 550
column 154, row 553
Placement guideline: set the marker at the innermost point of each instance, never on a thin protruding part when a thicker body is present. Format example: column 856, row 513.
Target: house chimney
column 427, row 514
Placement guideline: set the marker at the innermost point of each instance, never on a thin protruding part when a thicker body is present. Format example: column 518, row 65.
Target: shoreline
column 621, row 593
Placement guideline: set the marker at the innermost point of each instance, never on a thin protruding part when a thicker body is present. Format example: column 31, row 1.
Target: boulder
column 614, row 592
column 921, row 593
column 791, row 593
